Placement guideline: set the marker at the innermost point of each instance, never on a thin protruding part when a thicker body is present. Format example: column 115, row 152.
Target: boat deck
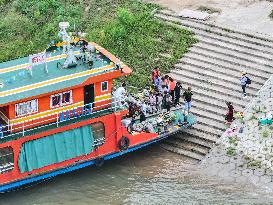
column 10, row 136
column 19, row 84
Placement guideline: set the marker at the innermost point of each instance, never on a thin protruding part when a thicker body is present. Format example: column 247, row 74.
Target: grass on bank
column 124, row 27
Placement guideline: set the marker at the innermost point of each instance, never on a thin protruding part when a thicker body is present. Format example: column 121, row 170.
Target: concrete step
column 212, row 123
column 195, row 140
column 193, row 147
column 220, row 112
column 253, row 72
column 212, row 68
column 182, row 152
column 248, row 60
column 220, row 38
column 195, row 61
column 224, row 79
column 207, row 106
column 256, row 35
column 205, row 136
column 235, row 48
column 213, row 90
column 201, row 113
column 231, row 60
column 203, row 128
column 210, row 28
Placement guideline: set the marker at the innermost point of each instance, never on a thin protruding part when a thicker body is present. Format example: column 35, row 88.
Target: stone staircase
column 212, row 68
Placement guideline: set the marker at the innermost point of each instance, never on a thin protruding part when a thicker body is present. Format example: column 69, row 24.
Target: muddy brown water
column 148, row 176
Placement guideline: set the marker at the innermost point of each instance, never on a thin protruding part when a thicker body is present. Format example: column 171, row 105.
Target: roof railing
column 57, row 119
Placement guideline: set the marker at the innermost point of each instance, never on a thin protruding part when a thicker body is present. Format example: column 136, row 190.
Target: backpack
column 248, row 80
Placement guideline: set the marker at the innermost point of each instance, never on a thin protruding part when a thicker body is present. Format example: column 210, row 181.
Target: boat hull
column 40, row 177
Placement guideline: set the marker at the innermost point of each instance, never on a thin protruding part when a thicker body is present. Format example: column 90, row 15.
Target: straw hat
column 243, row 73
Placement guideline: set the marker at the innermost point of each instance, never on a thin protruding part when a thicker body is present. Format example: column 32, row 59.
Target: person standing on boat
column 172, row 86
column 142, row 117
column 177, row 93
column 155, row 74
column 152, row 100
column 229, row 116
column 165, row 89
column 167, row 81
column 167, row 101
column 144, row 107
column 158, row 83
column 187, row 97
column 119, row 95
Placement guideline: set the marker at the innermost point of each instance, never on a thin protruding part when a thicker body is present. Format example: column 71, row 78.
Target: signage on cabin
column 37, row 59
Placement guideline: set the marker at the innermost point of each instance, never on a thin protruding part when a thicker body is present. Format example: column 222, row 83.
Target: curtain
column 56, row 148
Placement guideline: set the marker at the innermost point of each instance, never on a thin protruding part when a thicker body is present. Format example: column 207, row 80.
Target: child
column 159, row 102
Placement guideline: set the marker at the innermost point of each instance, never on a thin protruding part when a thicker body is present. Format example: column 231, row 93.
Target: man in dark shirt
column 187, row 97
column 177, row 91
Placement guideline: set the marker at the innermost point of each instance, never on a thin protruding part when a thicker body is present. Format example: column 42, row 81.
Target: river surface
column 149, row 176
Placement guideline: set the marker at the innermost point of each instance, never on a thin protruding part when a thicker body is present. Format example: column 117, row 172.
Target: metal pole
column 23, row 128
column 57, row 119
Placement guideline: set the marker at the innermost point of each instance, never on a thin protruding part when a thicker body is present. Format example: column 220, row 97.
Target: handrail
column 84, row 110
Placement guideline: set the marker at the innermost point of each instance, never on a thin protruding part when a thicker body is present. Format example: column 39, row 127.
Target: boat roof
column 18, row 84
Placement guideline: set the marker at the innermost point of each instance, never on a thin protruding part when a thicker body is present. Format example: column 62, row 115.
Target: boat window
column 56, row 100
column 66, row 97
column 6, row 160
column 61, row 99
column 26, row 108
column 104, row 86
column 98, row 133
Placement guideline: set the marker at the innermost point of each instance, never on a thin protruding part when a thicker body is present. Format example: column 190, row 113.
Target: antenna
column 70, row 59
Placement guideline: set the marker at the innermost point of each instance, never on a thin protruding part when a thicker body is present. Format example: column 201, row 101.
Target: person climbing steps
column 244, row 81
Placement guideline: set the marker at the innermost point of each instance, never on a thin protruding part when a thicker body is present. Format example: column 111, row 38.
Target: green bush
column 231, row 151
column 265, row 133
column 126, row 28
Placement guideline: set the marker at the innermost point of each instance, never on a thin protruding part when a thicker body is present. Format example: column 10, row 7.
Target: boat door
column 89, row 94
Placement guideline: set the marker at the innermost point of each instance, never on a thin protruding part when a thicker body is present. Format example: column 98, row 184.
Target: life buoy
column 123, row 143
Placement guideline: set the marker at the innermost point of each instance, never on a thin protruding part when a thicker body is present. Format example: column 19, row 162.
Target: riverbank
column 244, row 152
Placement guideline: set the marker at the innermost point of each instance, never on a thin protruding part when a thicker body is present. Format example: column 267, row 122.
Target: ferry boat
column 57, row 112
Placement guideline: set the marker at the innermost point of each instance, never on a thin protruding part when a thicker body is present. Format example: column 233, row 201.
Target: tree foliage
column 124, row 27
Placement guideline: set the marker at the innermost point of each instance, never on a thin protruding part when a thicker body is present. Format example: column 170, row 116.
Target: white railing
column 55, row 119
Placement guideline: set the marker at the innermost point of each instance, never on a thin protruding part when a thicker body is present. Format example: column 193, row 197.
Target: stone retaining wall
column 244, row 153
